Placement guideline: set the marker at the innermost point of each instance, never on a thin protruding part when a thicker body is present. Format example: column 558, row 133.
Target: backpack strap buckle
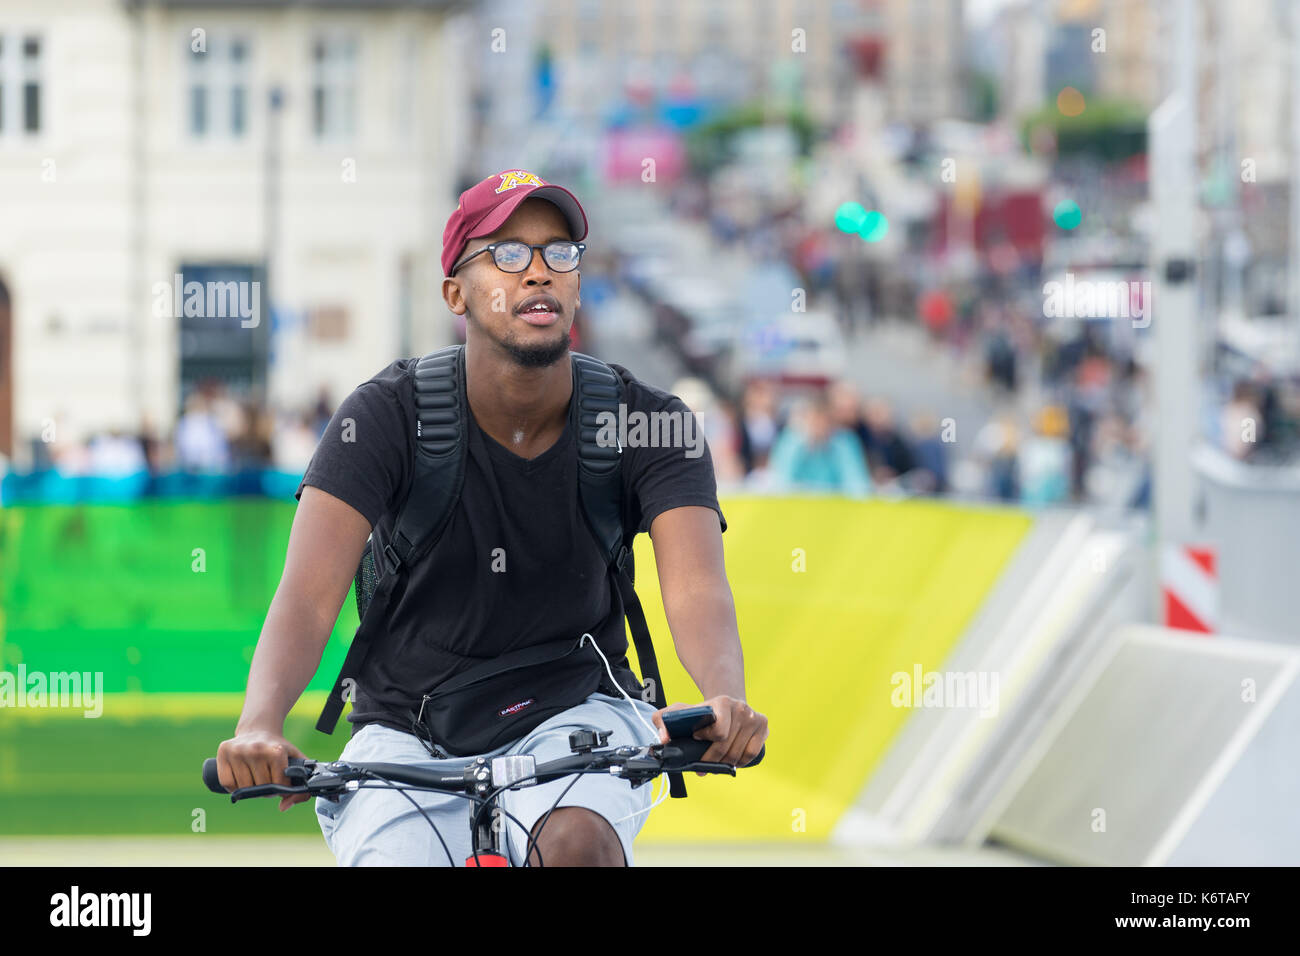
column 623, row 552
column 391, row 560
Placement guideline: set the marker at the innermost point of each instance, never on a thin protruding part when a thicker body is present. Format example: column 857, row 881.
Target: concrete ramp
column 1070, row 583
column 1175, row 748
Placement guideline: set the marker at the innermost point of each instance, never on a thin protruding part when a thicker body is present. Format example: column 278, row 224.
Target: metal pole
column 1175, row 309
column 1293, row 274
column 1232, row 258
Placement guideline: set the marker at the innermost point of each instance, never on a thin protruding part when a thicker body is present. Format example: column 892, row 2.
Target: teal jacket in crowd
column 837, row 465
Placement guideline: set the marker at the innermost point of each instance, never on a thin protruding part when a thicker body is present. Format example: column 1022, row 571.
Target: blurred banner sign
column 627, row 149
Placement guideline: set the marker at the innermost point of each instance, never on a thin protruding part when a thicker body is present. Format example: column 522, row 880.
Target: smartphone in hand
column 684, row 721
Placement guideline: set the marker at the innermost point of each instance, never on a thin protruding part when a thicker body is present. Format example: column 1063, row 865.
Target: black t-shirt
column 516, row 564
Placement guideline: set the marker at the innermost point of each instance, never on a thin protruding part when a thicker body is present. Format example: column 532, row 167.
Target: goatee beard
column 538, row 356
column 531, row 356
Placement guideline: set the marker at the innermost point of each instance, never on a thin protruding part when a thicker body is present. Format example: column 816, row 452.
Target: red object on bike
column 487, row 859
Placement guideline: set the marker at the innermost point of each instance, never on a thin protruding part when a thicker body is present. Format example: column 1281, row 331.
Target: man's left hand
column 738, row 732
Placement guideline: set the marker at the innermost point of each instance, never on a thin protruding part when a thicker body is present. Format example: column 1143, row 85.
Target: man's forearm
column 287, row 655
column 703, row 625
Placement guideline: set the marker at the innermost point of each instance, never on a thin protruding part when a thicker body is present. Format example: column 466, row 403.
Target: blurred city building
column 925, row 59
column 595, row 68
column 150, row 144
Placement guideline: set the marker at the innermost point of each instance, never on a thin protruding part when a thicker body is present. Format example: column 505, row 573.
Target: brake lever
column 645, row 767
column 708, row 766
column 309, row 778
column 264, row 790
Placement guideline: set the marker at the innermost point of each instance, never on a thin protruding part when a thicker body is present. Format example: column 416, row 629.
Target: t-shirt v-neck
column 503, row 455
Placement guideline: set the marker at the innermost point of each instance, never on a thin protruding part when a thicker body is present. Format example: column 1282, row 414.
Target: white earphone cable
column 649, row 726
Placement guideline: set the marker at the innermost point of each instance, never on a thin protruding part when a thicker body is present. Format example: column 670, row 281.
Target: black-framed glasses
column 512, row 255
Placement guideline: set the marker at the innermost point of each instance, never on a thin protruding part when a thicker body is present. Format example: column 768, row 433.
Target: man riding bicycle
column 515, row 565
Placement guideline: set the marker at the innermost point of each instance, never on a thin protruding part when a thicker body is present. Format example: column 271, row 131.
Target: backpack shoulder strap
column 441, row 429
column 441, row 417
column 598, row 390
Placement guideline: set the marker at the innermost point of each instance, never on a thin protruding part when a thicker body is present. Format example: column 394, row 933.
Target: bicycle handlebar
column 679, row 754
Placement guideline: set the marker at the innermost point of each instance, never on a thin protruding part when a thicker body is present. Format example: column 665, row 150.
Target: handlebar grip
column 693, row 750
column 210, row 776
column 213, row 783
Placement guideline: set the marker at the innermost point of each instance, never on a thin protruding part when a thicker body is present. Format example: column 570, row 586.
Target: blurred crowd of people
column 1078, row 425
column 1073, row 424
column 1072, row 413
column 1260, row 418
column 217, row 433
column 829, row 440
column 1073, row 409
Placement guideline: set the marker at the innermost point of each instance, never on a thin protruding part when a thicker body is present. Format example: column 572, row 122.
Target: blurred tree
column 1106, row 130
column 709, row 145
column 982, row 97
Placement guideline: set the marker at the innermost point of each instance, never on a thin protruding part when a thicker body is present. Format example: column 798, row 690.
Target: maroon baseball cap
column 486, row 205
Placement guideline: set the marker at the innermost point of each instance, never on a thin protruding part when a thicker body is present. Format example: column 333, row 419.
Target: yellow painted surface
column 886, row 586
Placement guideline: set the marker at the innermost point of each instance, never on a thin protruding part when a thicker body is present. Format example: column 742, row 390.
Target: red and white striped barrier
column 1189, row 585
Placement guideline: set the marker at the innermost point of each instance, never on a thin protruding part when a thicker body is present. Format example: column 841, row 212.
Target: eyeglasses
column 515, row 256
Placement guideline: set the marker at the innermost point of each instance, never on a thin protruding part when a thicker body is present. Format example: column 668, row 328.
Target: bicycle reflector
column 487, row 859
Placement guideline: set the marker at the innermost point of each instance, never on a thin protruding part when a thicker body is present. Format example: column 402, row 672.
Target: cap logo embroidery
column 518, row 177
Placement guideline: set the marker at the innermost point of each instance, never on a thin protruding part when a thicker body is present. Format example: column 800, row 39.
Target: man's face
column 844, row 404
column 492, row 300
column 817, row 424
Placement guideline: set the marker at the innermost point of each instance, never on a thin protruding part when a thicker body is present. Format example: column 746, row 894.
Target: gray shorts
column 380, row 827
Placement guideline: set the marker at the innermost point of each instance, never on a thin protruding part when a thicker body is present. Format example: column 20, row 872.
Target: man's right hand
column 257, row 757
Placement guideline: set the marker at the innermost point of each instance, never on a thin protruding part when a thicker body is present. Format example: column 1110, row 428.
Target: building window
column 334, row 87
column 217, row 104
column 716, row 32
column 238, row 87
column 762, row 17
column 20, row 83
column 198, row 110
column 626, row 35
column 408, row 86
column 31, row 85
column 590, row 27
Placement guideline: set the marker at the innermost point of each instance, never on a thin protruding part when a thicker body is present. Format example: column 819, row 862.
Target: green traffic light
column 874, row 227
column 849, row 217
column 1067, row 214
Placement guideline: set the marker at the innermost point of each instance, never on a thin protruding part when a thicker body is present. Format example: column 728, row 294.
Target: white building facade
column 139, row 142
